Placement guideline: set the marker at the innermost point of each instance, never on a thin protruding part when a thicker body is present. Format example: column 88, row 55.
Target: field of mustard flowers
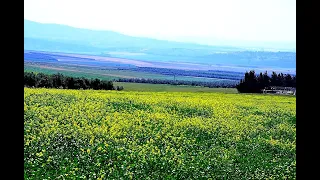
column 91, row 134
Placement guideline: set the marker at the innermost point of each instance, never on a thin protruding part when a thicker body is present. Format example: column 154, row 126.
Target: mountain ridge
column 63, row 38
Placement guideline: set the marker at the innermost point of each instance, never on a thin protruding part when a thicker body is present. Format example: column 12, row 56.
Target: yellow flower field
column 91, row 134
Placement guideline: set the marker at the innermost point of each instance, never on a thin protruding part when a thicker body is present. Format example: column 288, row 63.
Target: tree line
column 256, row 83
column 215, row 84
column 66, row 82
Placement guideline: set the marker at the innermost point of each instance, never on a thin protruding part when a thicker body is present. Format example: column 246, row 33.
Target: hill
column 62, row 38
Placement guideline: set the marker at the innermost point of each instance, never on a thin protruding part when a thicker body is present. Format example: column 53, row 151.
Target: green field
column 128, row 86
column 90, row 134
column 67, row 72
column 105, row 74
column 170, row 88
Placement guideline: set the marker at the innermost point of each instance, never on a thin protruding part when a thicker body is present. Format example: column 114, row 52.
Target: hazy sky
column 192, row 20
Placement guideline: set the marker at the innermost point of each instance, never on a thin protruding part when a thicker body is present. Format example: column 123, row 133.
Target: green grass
column 68, row 72
column 106, row 74
column 89, row 73
column 170, row 88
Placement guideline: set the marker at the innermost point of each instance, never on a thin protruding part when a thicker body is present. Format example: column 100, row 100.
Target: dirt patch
column 109, row 59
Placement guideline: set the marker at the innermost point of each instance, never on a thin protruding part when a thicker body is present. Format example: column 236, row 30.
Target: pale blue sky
column 232, row 22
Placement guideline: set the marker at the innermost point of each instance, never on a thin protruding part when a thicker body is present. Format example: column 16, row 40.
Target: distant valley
column 111, row 47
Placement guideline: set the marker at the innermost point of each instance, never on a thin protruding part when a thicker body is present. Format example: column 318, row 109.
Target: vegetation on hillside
column 110, row 73
column 145, row 87
column 65, row 82
column 215, row 84
column 92, row 134
column 193, row 73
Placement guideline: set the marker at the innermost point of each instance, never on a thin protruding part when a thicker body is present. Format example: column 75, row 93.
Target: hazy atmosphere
column 245, row 23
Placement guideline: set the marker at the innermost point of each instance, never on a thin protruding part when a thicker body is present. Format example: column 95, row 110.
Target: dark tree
column 106, row 85
column 57, row 80
column 70, row 83
column 42, row 80
column 255, row 84
column 60, row 81
column 288, row 80
column 95, row 84
column 274, row 79
column 281, row 80
column 249, row 84
column 294, row 81
column 30, row 79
